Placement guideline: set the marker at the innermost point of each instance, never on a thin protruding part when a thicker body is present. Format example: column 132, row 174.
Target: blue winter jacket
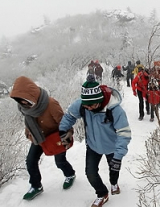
column 103, row 138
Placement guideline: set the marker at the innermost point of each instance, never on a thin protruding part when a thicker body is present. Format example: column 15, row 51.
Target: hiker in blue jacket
column 106, row 133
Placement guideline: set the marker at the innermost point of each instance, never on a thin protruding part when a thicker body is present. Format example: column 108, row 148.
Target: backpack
column 98, row 70
column 143, row 79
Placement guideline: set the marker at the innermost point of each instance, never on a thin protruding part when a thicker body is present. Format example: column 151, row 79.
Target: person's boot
column 151, row 119
column 68, row 182
column 100, row 201
column 140, row 118
column 32, row 193
column 115, row 189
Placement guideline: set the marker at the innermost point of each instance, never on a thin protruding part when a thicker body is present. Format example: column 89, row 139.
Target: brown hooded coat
column 49, row 120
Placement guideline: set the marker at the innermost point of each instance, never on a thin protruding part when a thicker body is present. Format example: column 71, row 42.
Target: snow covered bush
column 149, row 172
column 12, row 143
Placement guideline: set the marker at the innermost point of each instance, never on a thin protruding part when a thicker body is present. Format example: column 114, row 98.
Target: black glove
column 115, row 164
column 66, row 138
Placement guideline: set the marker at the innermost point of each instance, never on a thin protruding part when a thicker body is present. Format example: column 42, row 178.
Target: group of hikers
column 95, row 68
column 141, row 80
column 137, row 77
column 50, row 130
column 107, row 131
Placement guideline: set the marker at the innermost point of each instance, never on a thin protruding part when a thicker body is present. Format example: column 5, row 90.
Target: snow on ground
column 82, row 194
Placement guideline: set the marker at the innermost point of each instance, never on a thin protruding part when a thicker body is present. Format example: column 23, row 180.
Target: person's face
column 92, row 107
column 26, row 104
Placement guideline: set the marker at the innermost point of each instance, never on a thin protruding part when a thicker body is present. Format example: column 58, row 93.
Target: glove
column 115, row 164
column 134, row 93
column 66, row 138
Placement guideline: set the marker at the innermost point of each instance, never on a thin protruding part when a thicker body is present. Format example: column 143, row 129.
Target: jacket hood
column 115, row 99
column 25, row 88
column 140, row 65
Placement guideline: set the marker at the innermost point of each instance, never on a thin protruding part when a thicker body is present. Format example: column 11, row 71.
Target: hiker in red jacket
column 139, row 87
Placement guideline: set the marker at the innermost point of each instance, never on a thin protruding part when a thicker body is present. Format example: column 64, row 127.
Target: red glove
column 134, row 93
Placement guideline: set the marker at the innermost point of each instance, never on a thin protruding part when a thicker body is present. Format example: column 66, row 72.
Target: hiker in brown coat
column 42, row 117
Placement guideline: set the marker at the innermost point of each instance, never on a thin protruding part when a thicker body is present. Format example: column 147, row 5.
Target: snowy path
column 82, row 194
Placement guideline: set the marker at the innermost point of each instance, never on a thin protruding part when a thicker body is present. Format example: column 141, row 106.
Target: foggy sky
column 18, row 16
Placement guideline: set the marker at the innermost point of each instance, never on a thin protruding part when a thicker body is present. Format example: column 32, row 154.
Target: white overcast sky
column 18, row 16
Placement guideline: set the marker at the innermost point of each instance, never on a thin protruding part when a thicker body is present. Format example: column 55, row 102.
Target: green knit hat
column 91, row 92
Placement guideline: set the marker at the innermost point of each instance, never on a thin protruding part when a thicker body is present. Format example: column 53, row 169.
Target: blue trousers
column 32, row 162
column 92, row 163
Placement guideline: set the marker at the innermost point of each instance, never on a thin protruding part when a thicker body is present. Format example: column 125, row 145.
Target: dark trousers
column 129, row 80
column 153, row 109
column 32, row 161
column 141, row 104
column 92, row 163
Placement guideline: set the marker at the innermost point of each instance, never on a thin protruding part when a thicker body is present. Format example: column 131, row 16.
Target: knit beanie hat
column 91, row 92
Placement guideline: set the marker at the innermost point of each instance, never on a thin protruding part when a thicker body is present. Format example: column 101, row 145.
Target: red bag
column 53, row 145
column 153, row 97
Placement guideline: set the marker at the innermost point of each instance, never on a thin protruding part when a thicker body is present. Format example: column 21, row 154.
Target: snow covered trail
column 82, row 194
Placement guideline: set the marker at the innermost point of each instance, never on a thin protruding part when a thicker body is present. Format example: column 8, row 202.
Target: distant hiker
column 107, row 133
column 116, row 72
column 98, row 71
column 138, row 68
column 154, row 89
column 42, row 117
column 117, row 77
column 91, row 67
column 153, row 94
column 140, row 87
column 129, row 68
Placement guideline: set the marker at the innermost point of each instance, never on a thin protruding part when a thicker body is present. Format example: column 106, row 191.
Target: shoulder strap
column 109, row 116
column 82, row 113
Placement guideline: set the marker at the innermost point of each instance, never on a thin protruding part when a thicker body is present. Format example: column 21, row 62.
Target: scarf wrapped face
column 32, row 113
